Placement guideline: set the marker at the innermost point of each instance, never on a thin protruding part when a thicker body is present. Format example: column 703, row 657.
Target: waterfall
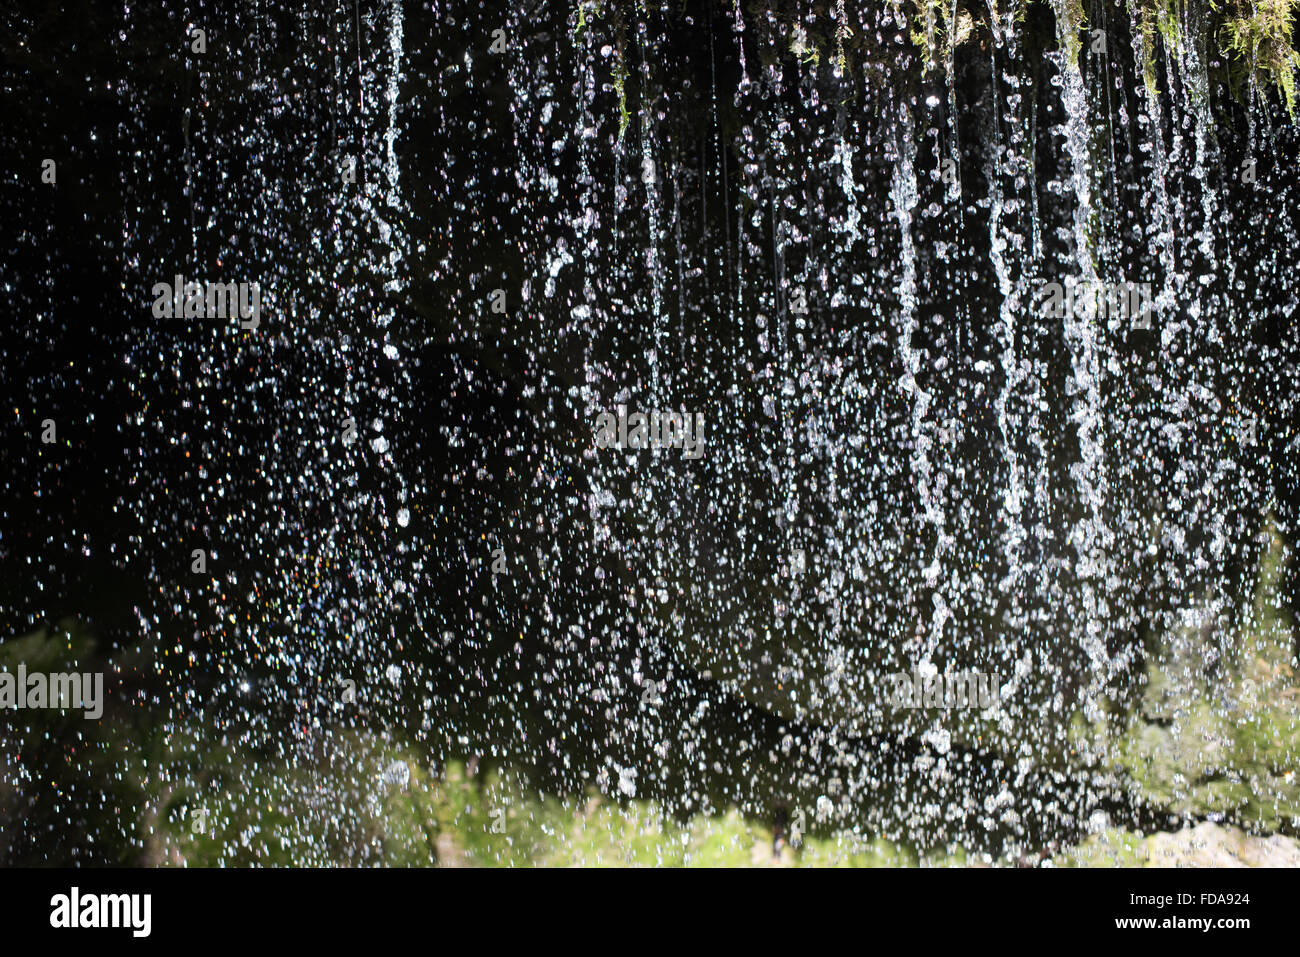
column 820, row 239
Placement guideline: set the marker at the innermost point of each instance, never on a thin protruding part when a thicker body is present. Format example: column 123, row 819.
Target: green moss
column 1109, row 848
column 1223, row 741
column 939, row 24
column 925, row 30
column 1070, row 21
column 621, row 72
column 1157, row 21
column 1253, row 36
column 620, row 79
column 1256, row 36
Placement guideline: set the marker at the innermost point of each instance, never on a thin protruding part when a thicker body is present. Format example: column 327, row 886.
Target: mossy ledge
column 1250, row 41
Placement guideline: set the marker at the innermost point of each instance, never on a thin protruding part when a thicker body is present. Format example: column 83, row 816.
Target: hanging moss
column 589, row 11
column 1253, row 37
column 1256, row 38
column 940, row 24
column 1071, row 21
column 620, row 87
column 1157, row 21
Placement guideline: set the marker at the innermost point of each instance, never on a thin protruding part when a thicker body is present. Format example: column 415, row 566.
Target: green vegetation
column 138, row 789
column 1214, row 737
column 1256, row 36
column 1206, row 845
column 1253, row 36
column 1157, row 21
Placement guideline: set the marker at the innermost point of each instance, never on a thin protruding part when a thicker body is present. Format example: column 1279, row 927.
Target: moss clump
column 1109, row 848
column 1223, row 738
column 1070, row 21
column 939, row 24
column 1157, row 21
column 582, row 26
column 1256, row 35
